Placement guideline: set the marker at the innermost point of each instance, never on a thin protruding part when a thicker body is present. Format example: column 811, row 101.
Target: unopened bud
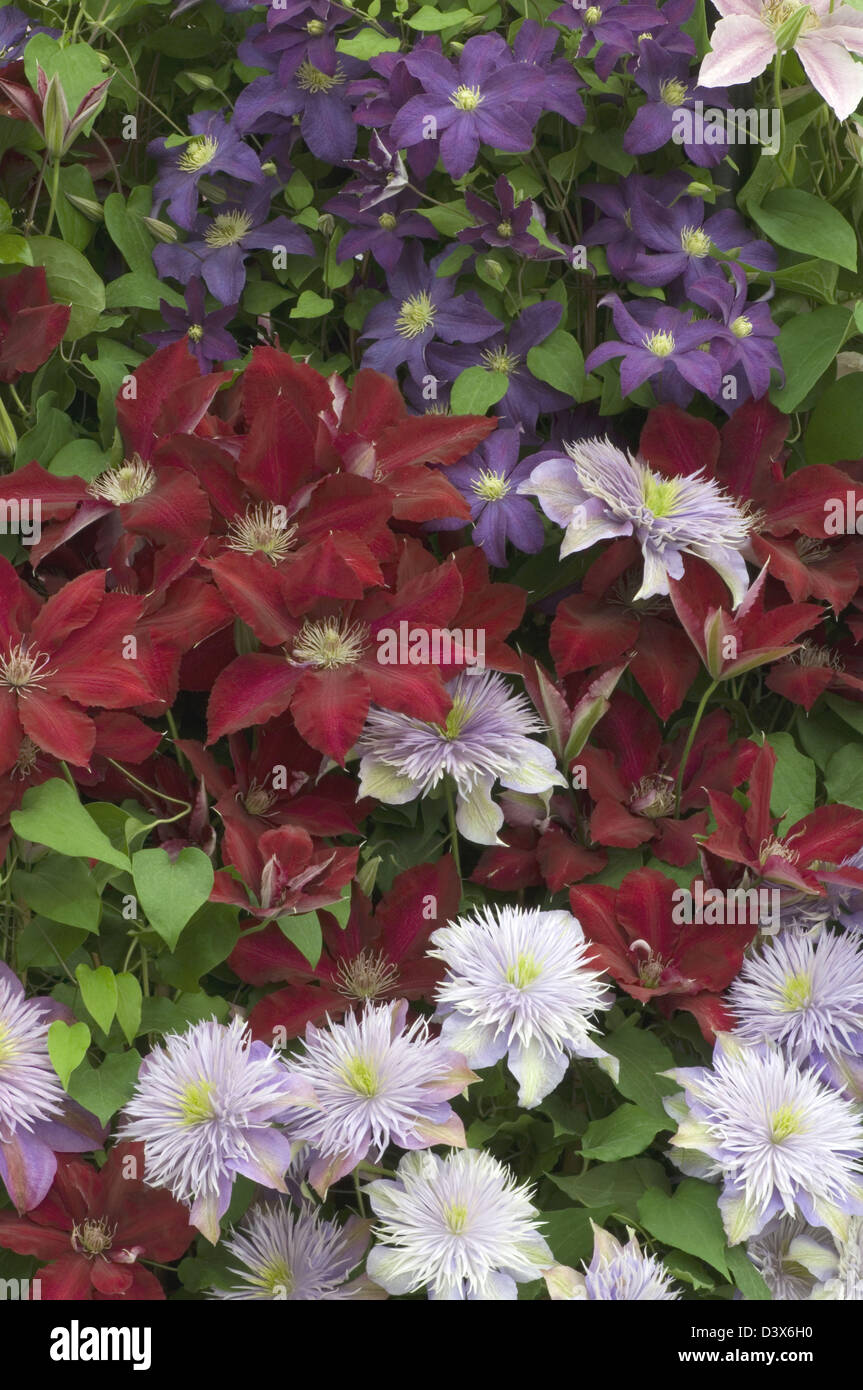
column 326, row 224
column 93, row 211
column 201, row 80
column 493, row 269
column 162, row 231
column 269, row 168
column 698, row 190
column 8, row 437
column 55, row 118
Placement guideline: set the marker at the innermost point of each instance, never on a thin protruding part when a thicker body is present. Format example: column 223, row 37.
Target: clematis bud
column 326, row 223
column 201, row 80
column 8, row 437
column 87, row 206
column 162, row 231
column 55, row 116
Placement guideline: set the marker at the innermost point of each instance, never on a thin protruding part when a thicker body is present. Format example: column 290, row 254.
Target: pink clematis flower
column 744, row 42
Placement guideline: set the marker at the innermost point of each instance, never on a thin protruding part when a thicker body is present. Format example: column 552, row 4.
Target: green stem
column 54, row 184
column 19, row 404
column 699, row 714
column 69, row 778
column 786, row 170
column 453, row 828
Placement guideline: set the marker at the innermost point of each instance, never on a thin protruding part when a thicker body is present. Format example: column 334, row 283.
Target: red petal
column 674, row 442
column 586, row 632
column 252, row 690
column 330, row 708
column 58, row 726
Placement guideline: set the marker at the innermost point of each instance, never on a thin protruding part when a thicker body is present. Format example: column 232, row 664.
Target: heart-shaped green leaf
column 104, row 1090
column 99, row 992
column 52, row 815
column 171, row 891
column 129, row 1002
column 66, row 1047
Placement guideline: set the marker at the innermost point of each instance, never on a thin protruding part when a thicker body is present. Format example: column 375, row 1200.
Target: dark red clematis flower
column 328, row 672
column 285, row 868
column 632, row 778
column 379, row 954
column 604, row 624
column 60, row 657
column 95, row 1226
column 31, row 324
column 802, row 857
column 636, row 939
column 731, row 643
column 747, row 458
column 277, row 783
column 814, row 668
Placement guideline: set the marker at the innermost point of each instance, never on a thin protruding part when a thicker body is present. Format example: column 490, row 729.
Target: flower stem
column 786, row 170
column 453, row 828
column 54, row 185
column 687, row 749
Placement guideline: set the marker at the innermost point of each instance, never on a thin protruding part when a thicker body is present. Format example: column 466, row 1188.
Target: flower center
column 695, row 241
column 196, row 332
column 661, row 344
column 784, row 1122
column 264, row 529
column 92, row 1238
column 362, row 1077
column 416, row 314
column 741, row 327
column 775, row 13
column 127, row 483
column 653, row 796
column 457, row 718
column 28, row 757
column 646, row 35
column 499, row 360
column 196, row 1104
column 8, row 1047
column 524, row 971
column 198, row 153
column 311, row 79
column 22, row 669
column 673, row 91
column 774, row 848
column 810, row 655
column 489, row 485
column 504, row 228
column 367, row 976
column 593, row 14
column 276, row 1276
column 227, row 228
column 466, row 98
column 258, row 799
column 455, row 1216
column 328, row 643
column 316, row 27
column 809, row 549
column 660, row 494
column 387, row 221
column 797, row 992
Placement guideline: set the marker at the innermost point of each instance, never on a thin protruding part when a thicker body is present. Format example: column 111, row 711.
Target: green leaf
column 140, row 289
column 208, row 939
column 605, row 147
column 62, row 889
column 569, row 1232
column 71, row 280
column 99, row 992
column 304, row 930
column 851, row 713
column 688, row 1221
column 449, row 219
column 14, row 250
column 622, row 1134
column 67, row 1046
column 815, row 277
column 821, row 737
column 475, row 390
column 432, row 21
column 835, row 430
column 129, row 1004
column 52, row 431
column 746, row 1276
column 642, row 1056
column 844, row 776
column 52, row 815
column 793, row 793
column 105, row 1089
column 807, row 344
column 311, row 306
column 78, row 66
column 80, row 458
column 618, row 1186
column 171, row 891
column 367, row 44
column 804, row 222
column 560, row 362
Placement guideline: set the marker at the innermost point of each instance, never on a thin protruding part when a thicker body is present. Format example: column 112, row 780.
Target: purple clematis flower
column 679, row 241
column 750, row 353
column 665, row 80
column 668, row 35
column 379, row 177
column 526, row 396
column 423, row 306
column 503, row 223
column 382, row 98
column 311, row 83
column 208, row 340
column 615, row 230
column 485, row 98
column 222, row 242
column 558, row 84
column 616, row 27
column 37, row 1118
column 663, row 343
column 215, row 147
column 296, row 28
column 488, row 479
column 380, row 230
column 16, row 29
